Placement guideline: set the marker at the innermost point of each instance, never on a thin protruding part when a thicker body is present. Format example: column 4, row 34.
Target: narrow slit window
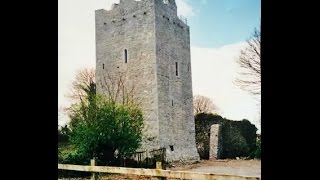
column 125, row 56
column 177, row 74
column 172, row 102
column 102, row 66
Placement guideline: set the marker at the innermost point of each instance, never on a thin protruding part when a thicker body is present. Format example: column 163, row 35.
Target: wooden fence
column 159, row 172
column 150, row 156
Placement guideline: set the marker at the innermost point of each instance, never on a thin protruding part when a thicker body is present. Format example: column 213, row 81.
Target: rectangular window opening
column 125, row 56
column 172, row 102
column 102, row 66
column 171, row 148
column 177, row 69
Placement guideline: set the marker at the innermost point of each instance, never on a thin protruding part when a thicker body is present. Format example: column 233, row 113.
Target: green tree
column 83, row 91
column 105, row 128
column 63, row 134
column 84, row 85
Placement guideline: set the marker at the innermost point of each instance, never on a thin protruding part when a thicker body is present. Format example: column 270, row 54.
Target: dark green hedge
column 238, row 137
column 203, row 123
column 63, row 134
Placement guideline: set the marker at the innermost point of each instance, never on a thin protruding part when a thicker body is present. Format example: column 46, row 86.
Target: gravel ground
column 230, row 167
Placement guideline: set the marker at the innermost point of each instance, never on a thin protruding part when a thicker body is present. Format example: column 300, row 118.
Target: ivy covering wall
column 238, row 138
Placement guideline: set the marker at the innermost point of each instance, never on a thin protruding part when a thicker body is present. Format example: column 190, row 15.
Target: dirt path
column 231, row 167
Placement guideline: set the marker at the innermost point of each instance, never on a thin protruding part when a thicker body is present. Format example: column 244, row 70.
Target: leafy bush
column 203, row 124
column 67, row 154
column 104, row 130
column 239, row 138
column 257, row 152
column 234, row 144
column 63, row 134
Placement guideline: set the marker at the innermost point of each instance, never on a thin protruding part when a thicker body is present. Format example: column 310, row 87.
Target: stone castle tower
column 146, row 41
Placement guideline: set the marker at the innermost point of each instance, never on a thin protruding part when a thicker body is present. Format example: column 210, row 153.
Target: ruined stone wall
column 215, row 142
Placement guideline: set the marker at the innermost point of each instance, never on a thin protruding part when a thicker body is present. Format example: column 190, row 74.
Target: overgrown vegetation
column 63, row 135
column 203, row 123
column 257, row 153
column 100, row 127
column 104, row 130
column 238, row 137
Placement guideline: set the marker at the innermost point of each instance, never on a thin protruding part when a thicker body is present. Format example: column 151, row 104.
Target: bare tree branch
column 83, row 84
column 202, row 104
column 249, row 62
column 118, row 88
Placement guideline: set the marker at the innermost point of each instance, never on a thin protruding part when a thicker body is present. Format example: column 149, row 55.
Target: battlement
column 169, row 5
column 168, row 9
column 130, row 9
column 123, row 3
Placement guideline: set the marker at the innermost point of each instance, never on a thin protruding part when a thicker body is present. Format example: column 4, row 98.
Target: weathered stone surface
column 215, row 141
column 156, row 40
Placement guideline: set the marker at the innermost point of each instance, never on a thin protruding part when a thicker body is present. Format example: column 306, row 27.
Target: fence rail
column 153, row 172
column 156, row 154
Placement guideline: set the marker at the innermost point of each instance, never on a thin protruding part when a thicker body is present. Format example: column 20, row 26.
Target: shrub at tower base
column 238, row 138
column 104, row 130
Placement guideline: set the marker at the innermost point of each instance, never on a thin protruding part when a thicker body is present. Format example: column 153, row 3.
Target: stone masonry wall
column 130, row 25
column 155, row 39
column 176, row 121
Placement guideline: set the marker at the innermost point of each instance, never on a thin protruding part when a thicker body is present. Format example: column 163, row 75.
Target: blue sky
column 215, row 23
column 219, row 29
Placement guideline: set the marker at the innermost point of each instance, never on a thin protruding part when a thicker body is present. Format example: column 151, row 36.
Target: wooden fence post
column 159, row 166
column 94, row 175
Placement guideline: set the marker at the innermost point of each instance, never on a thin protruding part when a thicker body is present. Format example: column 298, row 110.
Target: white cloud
column 184, row 8
column 213, row 73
